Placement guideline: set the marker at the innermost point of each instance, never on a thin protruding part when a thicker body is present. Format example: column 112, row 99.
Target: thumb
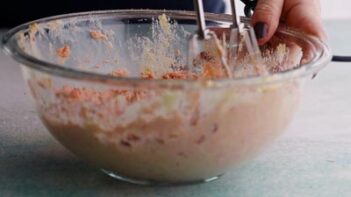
column 265, row 19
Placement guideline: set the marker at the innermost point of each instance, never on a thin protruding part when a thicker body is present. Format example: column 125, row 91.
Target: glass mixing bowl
column 154, row 131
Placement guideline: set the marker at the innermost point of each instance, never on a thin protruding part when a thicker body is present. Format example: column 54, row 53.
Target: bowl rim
column 25, row 59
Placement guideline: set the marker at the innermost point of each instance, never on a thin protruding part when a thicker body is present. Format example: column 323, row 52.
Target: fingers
column 266, row 18
column 305, row 15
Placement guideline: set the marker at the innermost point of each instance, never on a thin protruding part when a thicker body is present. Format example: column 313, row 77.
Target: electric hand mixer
column 204, row 42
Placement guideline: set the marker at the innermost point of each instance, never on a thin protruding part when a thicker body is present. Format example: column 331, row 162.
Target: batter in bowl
column 175, row 133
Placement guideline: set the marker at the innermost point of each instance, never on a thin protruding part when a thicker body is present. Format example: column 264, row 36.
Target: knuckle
column 267, row 9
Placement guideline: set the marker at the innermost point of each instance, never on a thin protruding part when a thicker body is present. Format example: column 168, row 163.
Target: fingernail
column 261, row 30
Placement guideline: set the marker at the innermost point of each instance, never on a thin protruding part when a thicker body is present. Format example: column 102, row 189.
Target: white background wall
column 336, row 9
column 331, row 9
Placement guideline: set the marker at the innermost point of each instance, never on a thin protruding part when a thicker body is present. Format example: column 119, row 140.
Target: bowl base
column 156, row 183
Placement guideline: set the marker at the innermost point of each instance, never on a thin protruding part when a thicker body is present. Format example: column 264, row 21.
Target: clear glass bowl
column 152, row 131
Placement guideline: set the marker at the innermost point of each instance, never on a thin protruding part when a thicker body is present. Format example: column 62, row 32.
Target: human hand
column 300, row 14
